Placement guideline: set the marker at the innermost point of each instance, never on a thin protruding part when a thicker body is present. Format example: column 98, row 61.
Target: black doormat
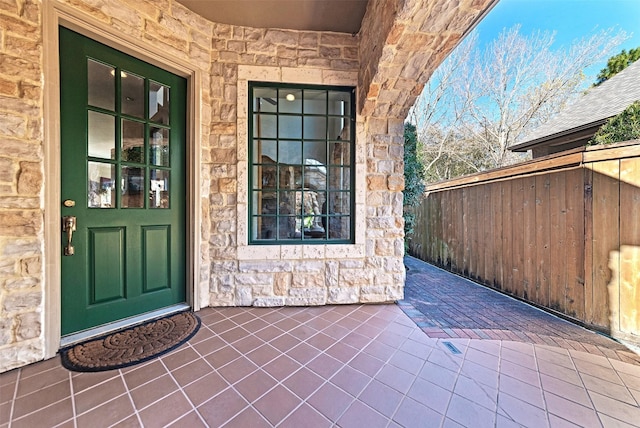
column 131, row 346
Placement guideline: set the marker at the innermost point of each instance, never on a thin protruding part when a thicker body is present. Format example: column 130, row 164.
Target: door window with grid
column 302, row 163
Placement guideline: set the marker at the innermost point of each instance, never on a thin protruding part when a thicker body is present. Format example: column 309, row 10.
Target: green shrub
column 623, row 127
column 413, row 177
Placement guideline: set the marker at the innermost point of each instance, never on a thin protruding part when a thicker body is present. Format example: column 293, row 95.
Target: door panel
column 123, row 179
column 107, row 257
column 157, row 257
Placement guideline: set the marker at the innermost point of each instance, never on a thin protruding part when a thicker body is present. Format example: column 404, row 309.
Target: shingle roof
column 599, row 103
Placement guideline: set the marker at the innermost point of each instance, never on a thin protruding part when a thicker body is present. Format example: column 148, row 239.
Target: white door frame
column 58, row 14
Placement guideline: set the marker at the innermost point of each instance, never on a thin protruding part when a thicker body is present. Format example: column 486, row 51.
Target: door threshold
column 72, row 339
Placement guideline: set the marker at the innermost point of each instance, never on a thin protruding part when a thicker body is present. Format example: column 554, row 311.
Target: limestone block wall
column 21, row 184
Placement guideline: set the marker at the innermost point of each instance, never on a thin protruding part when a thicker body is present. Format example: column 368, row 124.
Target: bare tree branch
column 480, row 102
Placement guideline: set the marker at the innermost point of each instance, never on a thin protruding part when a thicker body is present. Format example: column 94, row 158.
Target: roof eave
column 528, row 145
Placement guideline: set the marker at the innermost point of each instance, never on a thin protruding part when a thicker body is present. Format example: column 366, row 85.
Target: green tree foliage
column 616, row 64
column 623, row 127
column 413, row 177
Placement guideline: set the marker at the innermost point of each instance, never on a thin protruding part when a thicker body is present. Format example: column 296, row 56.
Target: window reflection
column 101, row 185
column 101, row 87
column 159, row 189
column 301, row 155
column 158, row 103
column 159, row 146
column 101, row 141
column 132, row 97
column 132, row 141
column 132, row 187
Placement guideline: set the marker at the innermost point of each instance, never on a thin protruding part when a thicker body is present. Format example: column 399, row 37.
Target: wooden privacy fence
column 562, row 232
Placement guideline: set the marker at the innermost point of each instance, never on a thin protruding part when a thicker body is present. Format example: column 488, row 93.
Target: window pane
column 101, row 185
column 290, row 152
column 339, row 203
column 290, row 101
column 101, row 85
column 340, row 153
column 132, row 141
column 132, row 187
column 265, row 151
column 287, row 211
column 265, row 177
column 290, row 127
column 315, row 127
column 265, row 100
column 101, row 141
column 339, row 227
column 339, row 129
column 159, row 189
column 339, row 103
column 265, row 126
column 159, row 146
column 339, row 178
column 158, row 103
column 315, row 152
column 315, row 177
column 315, row 102
column 132, row 98
column 265, row 203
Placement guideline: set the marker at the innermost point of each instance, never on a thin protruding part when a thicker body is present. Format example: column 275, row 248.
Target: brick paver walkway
column 445, row 305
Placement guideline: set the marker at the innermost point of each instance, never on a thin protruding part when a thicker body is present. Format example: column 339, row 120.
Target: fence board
column 485, row 224
column 474, row 212
column 507, row 237
column 606, row 233
column 448, row 217
column 495, row 278
column 517, row 236
column 557, row 226
column 629, row 275
column 542, row 239
column 529, row 210
column 460, row 230
column 467, row 231
column 574, row 248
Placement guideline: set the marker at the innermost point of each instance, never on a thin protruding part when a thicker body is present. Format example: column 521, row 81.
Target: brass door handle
column 69, row 226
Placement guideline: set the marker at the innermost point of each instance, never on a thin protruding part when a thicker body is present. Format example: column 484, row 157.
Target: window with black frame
column 301, row 152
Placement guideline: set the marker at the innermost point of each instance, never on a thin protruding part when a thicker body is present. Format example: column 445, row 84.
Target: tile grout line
column 500, row 375
column 544, row 396
column 184, row 394
column 15, row 396
column 458, row 374
column 73, row 400
column 133, row 404
column 326, row 380
column 37, row 410
column 278, row 382
column 232, row 385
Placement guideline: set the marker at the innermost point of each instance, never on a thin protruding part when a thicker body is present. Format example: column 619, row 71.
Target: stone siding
column 400, row 44
column 21, row 184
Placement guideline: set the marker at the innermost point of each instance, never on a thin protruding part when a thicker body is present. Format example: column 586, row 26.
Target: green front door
column 123, row 180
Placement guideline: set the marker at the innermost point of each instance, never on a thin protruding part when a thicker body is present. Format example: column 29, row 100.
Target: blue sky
column 570, row 19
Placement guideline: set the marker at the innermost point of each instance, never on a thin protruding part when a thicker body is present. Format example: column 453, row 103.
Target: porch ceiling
column 344, row 16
